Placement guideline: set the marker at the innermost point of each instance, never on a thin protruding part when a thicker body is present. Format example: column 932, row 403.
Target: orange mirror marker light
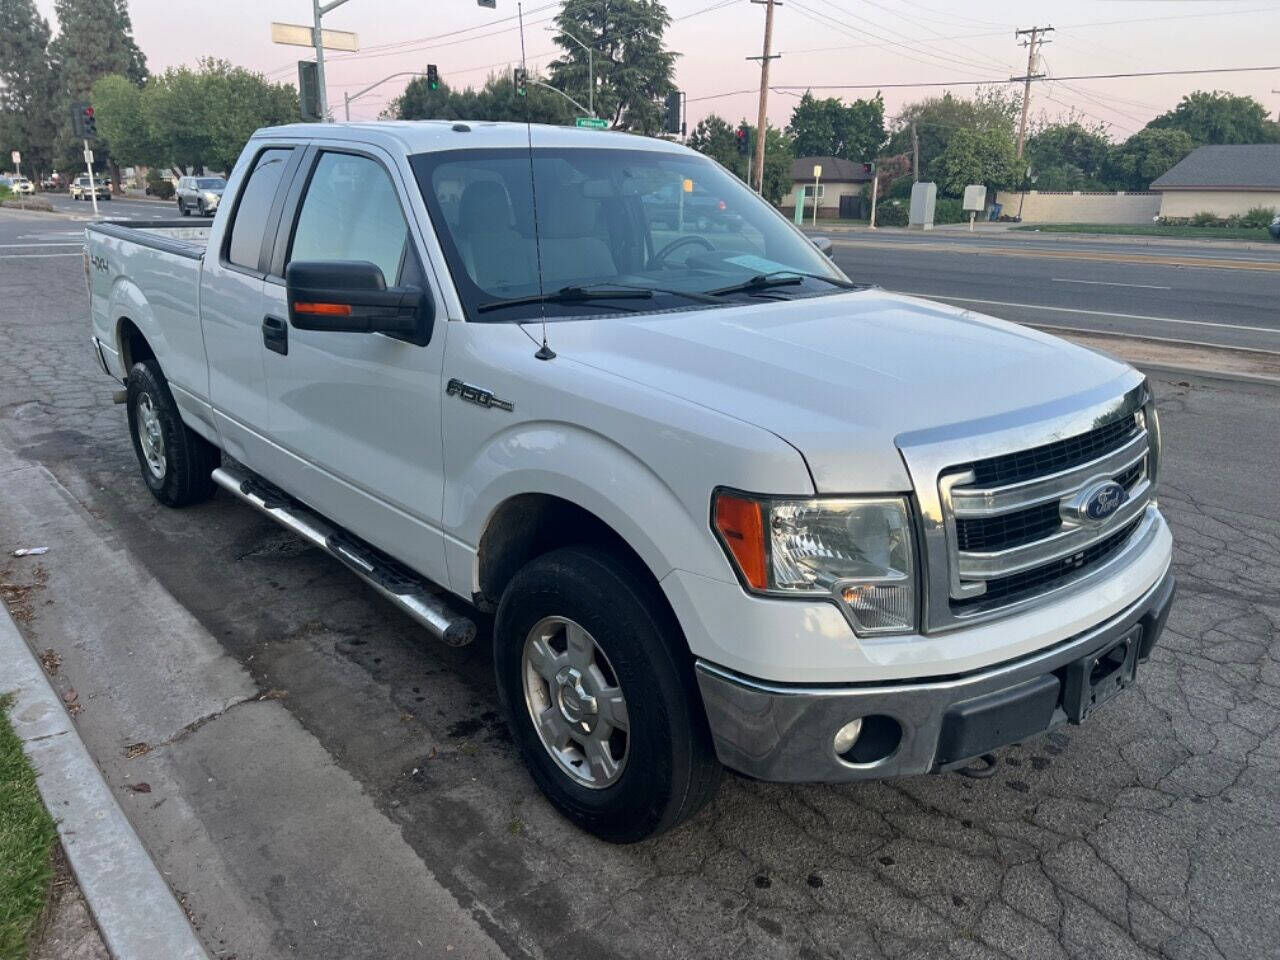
column 741, row 525
column 324, row 309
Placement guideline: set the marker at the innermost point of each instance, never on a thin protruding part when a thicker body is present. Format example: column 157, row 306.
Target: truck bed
column 173, row 236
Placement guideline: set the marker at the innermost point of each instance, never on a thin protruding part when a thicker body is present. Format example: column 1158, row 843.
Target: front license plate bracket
column 1093, row 680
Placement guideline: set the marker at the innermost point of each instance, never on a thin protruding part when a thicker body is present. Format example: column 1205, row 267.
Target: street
column 345, row 770
column 120, row 208
column 1202, row 292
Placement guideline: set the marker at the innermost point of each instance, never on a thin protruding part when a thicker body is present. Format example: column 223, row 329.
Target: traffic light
column 673, row 111
column 309, row 91
column 433, row 77
column 83, row 122
column 520, row 77
column 743, row 136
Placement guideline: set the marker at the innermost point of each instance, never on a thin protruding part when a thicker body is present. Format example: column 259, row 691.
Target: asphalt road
column 1152, row 831
column 1198, row 292
column 117, row 208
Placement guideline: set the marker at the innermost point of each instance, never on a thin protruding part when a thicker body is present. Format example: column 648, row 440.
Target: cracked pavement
column 1151, row 831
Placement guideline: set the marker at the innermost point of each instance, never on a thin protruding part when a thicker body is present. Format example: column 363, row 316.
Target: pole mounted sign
column 16, row 157
column 300, row 35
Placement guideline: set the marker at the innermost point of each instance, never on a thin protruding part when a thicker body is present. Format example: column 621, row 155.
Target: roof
column 833, row 168
column 1225, row 167
column 422, row 136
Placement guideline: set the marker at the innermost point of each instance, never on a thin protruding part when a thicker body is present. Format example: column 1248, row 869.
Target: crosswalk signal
column 673, row 112
column 83, row 123
column 433, row 77
column 520, row 77
column 743, row 136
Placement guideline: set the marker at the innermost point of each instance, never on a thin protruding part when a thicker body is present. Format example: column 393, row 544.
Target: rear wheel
column 176, row 462
column 599, row 691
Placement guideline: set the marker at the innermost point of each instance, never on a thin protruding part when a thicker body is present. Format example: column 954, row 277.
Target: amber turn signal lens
column 323, row 309
column 741, row 526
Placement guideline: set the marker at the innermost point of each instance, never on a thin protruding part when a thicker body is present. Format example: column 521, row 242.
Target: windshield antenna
column 544, row 352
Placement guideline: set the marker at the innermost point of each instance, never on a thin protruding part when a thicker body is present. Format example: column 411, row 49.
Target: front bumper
column 784, row 732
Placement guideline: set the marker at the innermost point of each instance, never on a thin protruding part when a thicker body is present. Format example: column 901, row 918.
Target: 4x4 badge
column 477, row 395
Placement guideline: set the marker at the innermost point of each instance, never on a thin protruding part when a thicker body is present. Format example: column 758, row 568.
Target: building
column 840, row 178
column 1222, row 180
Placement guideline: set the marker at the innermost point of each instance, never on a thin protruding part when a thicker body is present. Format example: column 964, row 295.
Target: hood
column 840, row 377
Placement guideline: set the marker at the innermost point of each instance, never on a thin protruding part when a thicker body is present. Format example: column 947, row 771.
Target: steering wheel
column 660, row 258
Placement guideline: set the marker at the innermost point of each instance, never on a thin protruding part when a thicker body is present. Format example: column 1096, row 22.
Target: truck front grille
column 1014, row 527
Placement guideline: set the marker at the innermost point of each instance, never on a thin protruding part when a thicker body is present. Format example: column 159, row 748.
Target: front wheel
column 599, row 691
column 177, row 463
column 182, row 209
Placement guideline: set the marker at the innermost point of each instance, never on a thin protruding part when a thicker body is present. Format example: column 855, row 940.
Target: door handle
column 275, row 334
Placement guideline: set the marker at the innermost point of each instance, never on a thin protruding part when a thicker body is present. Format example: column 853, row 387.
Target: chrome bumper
column 784, row 732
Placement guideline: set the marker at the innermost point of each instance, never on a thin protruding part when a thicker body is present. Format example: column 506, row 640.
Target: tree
column 976, row 156
column 1068, row 155
column 124, row 119
column 714, row 137
column 190, row 119
column 95, row 38
column 831, row 128
column 1145, row 156
column 496, row 100
column 1219, row 117
column 28, row 85
column 633, row 68
column 937, row 119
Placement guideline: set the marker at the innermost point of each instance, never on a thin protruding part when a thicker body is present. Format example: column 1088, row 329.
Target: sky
column 821, row 42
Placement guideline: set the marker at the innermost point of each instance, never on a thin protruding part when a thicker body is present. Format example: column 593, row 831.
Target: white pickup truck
column 718, row 503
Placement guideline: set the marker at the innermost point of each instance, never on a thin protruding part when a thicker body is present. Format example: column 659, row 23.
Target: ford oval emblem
column 1103, row 500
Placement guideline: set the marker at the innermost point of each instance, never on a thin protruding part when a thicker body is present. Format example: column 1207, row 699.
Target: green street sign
column 595, row 123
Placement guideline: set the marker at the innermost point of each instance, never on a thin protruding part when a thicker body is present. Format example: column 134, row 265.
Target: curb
column 131, row 903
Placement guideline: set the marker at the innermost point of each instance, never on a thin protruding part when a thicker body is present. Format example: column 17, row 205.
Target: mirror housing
column 351, row 296
column 824, row 245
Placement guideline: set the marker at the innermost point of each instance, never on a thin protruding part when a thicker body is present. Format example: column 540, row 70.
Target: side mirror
column 351, row 296
column 823, row 244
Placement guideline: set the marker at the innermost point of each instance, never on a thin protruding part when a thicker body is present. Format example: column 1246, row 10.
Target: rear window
column 250, row 219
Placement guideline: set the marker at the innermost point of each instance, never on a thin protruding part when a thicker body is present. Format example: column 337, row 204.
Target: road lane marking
column 1111, row 283
column 24, row 246
column 1092, row 313
column 1210, row 263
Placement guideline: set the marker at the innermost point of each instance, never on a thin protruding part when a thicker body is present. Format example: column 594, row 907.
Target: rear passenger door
column 231, row 305
column 355, row 417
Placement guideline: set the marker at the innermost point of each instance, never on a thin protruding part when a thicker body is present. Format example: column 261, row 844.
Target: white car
column 82, row 189
column 21, row 185
column 724, row 505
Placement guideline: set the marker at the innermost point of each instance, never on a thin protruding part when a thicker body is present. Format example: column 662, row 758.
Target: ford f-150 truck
column 715, row 503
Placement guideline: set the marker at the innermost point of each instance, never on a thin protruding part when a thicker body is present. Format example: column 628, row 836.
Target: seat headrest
column 565, row 213
column 484, row 208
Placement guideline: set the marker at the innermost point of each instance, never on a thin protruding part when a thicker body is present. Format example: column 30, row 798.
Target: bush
column 159, row 186
column 949, row 210
column 892, row 213
column 1258, row 217
column 1204, row 219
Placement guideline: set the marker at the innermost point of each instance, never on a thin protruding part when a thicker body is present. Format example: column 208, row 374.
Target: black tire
column 183, row 476
column 671, row 769
column 200, row 212
column 182, row 208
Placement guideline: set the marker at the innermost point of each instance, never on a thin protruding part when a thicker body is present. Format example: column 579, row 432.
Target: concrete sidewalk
column 244, row 811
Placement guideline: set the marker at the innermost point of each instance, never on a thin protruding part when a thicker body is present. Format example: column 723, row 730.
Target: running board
column 407, row 590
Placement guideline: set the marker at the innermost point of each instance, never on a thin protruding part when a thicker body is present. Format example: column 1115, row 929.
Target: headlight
column 858, row 551
column 211, row 197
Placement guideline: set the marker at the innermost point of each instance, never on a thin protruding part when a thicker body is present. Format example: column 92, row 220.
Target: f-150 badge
column 477, row 395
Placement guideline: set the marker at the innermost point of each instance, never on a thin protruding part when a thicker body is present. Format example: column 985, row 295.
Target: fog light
column 847, row 736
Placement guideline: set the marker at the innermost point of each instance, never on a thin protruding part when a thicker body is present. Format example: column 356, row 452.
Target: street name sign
column 300, row 35
column 595, row 123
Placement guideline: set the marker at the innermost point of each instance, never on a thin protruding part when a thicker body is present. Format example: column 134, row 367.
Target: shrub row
column 1254, row 217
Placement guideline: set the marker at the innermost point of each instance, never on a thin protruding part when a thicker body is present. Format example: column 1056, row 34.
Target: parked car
column 1274, row 229
column 20, row 184
column 82, row 189
column 164, row 187
column 722, row 504
column 201, row 194
column 52, row 183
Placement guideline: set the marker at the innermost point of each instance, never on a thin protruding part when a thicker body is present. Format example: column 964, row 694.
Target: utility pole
column 1278, row 111
column 915, row 153
column 1033, row 44
column 756, row 177
column 319, row 10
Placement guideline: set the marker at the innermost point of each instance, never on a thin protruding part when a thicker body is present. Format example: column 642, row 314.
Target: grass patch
column 27, row 836
column 1152, row 230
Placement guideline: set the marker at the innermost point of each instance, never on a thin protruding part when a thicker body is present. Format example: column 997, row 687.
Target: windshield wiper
column 572, row 295
column 780, row 278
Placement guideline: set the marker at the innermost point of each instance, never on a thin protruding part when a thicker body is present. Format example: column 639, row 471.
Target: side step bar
column 411, row 593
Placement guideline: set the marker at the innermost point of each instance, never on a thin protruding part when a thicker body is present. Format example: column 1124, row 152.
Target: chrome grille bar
column 991, row 501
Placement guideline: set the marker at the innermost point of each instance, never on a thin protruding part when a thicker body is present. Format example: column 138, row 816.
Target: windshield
column 211, row 183
column 676, row 226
